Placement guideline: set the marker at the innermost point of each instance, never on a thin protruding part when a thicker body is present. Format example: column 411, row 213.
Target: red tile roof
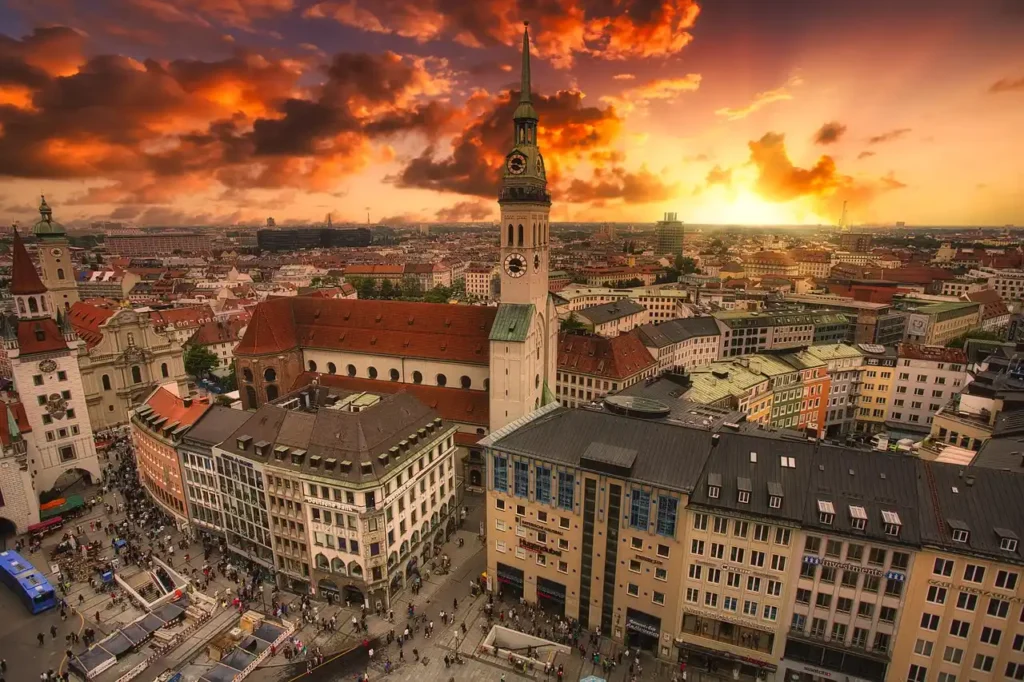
column 18, row 411
column 86, row 320
column 173, row 408
column 619, row 357
column 467, row 439
column 24, row 278
column 218, row 331
column 461, row 405
column 915, row 351
column 435, row 331
column 40, row 336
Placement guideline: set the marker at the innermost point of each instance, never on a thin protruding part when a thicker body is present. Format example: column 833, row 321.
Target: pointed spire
column 24, row 278
column 524, row 94
column 45, row 212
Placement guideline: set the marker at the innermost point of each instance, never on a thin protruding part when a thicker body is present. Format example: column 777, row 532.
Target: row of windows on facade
column 540, row 234
column 270, row 374
column 982, row 663
column 136, row 375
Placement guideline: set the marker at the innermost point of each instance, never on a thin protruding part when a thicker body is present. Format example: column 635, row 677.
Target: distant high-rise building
column 312, row 238
column 670, row 235
column 271, row 222
column 859, row 242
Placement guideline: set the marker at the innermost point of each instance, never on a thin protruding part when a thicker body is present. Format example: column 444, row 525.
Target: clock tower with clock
column 524, row 338
column 55, row 259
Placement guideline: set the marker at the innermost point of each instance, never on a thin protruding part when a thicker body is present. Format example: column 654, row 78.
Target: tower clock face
column 516, row 164
column 515, row 265
column 56, row 252
column 540, row 164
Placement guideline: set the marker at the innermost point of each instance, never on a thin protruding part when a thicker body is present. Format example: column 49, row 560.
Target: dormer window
column 788, row 462
column 858, row 517
column 961, row 535
column 1007, row 539
column 891, row 523
column 826, row 512
column 714, row 485
column 775, row 494
column 774, row 501
column 743, row 490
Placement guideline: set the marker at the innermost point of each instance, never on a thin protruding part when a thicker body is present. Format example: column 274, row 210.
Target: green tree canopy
column 199, row 361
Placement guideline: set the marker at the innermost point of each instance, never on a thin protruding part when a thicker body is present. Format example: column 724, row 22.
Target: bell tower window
column 33, row 307
column 511, row 234
column 520, row 235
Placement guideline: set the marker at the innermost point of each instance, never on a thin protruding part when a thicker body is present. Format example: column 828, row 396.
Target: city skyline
column 161, row 112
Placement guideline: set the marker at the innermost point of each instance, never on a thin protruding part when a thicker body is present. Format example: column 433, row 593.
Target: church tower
column 55, row 259
column 43, row 349
column 524, row 338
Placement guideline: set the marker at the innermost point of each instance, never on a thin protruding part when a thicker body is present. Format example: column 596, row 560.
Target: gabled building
column 679, row 345
column 591, row 366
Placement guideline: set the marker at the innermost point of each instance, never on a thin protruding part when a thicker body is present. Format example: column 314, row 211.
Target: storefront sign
column 856, row 568
column 642, row 628
column 753, row 625
column 810, row 670
column 974, row 590
column 539, row 549
column 735, row 568
column 537, row 527
column 716, row 653
column 656, row 562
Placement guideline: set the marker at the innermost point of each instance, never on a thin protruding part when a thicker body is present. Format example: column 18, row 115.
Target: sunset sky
column 165, row 112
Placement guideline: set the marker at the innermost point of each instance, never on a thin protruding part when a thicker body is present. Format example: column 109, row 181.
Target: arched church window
column 136, row 375
column 417, row 377
column 351, row 370
column 535, row 242
column 60, row 273
column 33, row 307
column 442, row 380
column 247, row 374
column 487, row 384
column 21, row 301
column 393, row 374
column 270, row 374
column 42, row 302
column 372, row 372
column 465, row 381
column 163, row 370
column 332, row 368
column 511, row 234
column 520, row 235
column 250, row 394
column 272, row 392
column 106, row 382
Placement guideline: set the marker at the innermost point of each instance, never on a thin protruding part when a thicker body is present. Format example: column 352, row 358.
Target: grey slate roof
column 1001, row 453
column 356, row 437
column 217, row 424
column 663, row 454
column 599, row 314
column 986, row 501
column 730, row 463
column 675, row 331
column 876, row 482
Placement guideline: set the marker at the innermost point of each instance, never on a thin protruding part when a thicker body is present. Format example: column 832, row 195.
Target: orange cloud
column 761, row 100
column 1007, row 85
column 619, row 184
column 888, row 136
column 562, row 28
column 829, row 133
column 473, row 211
column 664, row 89
column 779, row 180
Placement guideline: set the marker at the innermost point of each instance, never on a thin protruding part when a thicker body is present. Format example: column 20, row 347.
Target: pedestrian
column 53, row 631
column 41, row 637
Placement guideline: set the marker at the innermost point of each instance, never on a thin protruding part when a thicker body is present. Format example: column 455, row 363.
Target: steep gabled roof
column 40, row 336
column 87, row 319
column 616, row 358
column 24, row 278
column 436, row 331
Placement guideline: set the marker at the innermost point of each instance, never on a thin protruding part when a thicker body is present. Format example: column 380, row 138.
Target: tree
column 439, row 294
column 387, row 290
column 365, row 287
column 572, row 324
column 410, row 289
column 230, row 382
column 199, row 361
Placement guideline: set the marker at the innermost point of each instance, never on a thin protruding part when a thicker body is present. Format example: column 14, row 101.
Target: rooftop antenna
column 843, row 227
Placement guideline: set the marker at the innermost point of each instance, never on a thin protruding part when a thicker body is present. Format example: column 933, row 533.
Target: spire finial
column 44, row 209
column 524, row 95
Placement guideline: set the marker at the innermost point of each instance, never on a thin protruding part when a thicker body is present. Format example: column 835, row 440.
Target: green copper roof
column 547, row 397
column 525, row 108
column 47, row 226
column 512, row 322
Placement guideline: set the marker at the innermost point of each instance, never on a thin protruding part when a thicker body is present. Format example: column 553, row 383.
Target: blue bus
column 30, row 585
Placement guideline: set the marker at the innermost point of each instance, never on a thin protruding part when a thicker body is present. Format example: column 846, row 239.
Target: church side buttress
column 523, row 369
